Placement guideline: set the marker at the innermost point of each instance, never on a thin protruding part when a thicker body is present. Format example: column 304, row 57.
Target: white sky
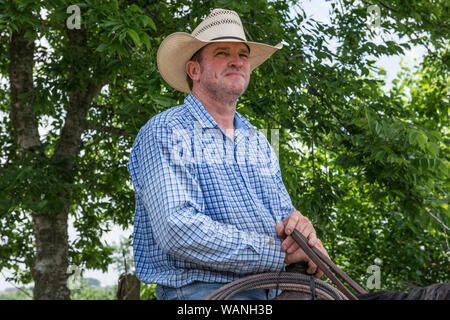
column 319, row 10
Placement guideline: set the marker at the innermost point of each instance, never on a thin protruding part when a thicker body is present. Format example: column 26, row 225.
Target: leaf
column 122, row 36
column 421, row 139
column 382, row 72
column 378, row 127
column 433, row 148
column 133, row 34
column 102, row 47
column 151, row 23
column 412, row 137
column 146, row 41
column 380, row 156
column 110, row 23
column 399, row 193
column 164, row 101
column 135, row 8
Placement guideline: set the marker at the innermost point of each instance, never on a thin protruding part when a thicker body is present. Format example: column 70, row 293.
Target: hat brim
column 177, row 48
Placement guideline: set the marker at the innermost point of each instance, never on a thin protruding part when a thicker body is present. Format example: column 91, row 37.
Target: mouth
column 235, row 74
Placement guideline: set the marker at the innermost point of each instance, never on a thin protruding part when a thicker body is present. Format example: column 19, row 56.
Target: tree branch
column 381, row 3
column 111, row 130
column 79, row 101
column 437, row 219
column 316, row 92
column 18, row 288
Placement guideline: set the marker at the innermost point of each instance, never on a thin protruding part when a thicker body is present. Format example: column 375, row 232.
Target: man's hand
column 293, row 252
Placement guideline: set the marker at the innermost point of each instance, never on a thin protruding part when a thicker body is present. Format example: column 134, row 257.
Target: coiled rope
column 295, row 281
column 289, row 281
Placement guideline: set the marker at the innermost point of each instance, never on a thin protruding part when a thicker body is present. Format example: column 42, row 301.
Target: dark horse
column 438, row 291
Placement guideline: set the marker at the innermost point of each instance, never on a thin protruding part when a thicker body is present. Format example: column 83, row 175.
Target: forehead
column 226, row 45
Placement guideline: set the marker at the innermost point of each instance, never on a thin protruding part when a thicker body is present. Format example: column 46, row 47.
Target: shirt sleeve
column 285, row 200
column 173, row 199
column 286, row 206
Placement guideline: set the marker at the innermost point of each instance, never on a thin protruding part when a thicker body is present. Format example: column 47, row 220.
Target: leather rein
column 294, row 281
column 324, row 264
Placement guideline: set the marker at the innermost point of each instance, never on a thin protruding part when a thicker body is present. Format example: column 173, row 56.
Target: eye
column 222, row 53
column 244, row 55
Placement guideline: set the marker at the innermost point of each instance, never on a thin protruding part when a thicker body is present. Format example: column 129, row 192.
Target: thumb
column 311, row 268
column 279, row 228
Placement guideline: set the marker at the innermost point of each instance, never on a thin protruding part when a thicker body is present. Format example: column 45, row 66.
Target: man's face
column 224, row 68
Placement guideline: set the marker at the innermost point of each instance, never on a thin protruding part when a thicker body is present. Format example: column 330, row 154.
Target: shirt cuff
column 272, row 257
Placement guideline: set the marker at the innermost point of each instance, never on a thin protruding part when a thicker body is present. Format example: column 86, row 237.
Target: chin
column 236, row 92
column 234, row 89
column 240, row 89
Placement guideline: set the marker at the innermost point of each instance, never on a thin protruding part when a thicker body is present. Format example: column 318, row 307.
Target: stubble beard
column 221, row 92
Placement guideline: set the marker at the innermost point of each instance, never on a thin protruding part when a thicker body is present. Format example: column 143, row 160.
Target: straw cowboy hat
column 219, row 26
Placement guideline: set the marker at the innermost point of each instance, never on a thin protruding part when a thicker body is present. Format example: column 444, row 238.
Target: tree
column 47, row 178
column 362, row 163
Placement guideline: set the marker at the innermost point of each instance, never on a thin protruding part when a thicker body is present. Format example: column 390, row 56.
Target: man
column 211, row 206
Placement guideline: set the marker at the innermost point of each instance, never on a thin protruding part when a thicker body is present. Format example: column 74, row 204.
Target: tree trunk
column 129, row 287
column 52, row 257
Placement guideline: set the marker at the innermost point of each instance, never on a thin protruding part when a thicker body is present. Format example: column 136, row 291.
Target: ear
column 193, row 69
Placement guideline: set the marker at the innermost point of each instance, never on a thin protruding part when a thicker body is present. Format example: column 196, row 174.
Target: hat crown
column 220, row 24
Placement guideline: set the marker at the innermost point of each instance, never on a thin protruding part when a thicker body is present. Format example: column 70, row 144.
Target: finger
column 305, row 226
column 290, row 259
column 293, row 247
column 313, row 241
column 320, row 246
column 307, row 230
column 287, row 243
column 319, row 274
column 292, row 222
column 297, row 256
column 310, row 234
column 322, row 249
column 279, row 228
column 311, row 267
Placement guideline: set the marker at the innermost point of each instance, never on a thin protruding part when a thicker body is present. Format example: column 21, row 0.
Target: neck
column 222, row 109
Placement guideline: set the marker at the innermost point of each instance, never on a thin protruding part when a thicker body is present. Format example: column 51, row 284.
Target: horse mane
column 439, row 291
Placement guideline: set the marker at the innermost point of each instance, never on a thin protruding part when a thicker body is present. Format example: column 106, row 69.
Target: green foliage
column 85, row 292
column 148, row 291
column 22, row 293
column 368, row 166
column 123, row 256
column 89, row 292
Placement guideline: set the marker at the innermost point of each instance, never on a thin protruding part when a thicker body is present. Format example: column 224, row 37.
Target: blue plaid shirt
column 206, row 206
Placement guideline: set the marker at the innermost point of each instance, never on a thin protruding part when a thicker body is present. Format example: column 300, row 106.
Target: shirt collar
column 205, row 118
column 199, row 112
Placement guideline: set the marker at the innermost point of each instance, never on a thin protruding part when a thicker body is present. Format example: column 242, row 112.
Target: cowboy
column 211, row 206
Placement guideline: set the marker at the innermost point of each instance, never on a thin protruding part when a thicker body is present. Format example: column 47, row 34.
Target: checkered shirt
column 206, row 206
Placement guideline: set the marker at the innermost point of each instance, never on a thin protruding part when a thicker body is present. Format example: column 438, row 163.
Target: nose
column 236, row 60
